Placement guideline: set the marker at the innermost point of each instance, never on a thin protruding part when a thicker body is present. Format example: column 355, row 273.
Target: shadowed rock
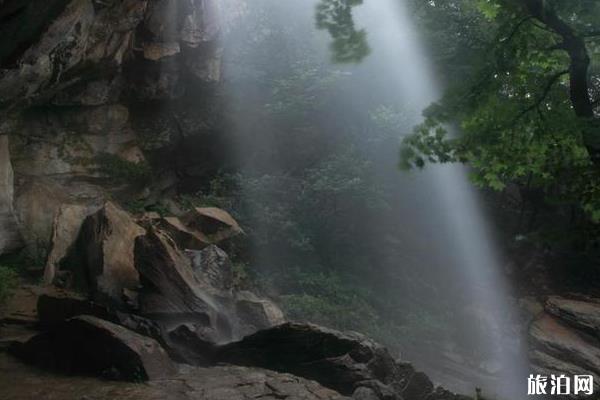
column 91, row 345
column 192, row 344
column 213, row 222
column 192, row 383
column 67, row 225
column 54, row 306
column 186, row 238
column 346, row 362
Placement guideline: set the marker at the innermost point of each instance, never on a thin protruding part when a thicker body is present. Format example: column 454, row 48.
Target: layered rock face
column 87, row 90
column 565, row 337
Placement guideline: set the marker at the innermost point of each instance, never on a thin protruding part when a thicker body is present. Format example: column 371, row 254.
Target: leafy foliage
column 514, row 121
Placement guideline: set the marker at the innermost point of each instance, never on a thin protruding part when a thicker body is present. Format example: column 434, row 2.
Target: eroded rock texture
column 565, row 337
column 96, row 96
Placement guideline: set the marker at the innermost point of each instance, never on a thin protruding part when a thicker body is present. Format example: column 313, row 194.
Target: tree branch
column 553, row 79
column 576, row 48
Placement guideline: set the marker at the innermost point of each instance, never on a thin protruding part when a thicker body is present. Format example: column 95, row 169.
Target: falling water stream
column 441, row 199
column 468, row 240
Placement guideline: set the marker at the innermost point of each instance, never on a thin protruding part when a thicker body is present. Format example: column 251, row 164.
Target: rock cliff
column 95, row 97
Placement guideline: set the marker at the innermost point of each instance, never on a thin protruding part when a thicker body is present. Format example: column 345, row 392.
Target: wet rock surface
column 170, row 291
column 346, row 363
column 190, row 383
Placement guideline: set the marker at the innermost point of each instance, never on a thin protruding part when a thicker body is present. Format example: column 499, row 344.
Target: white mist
column 469, row 242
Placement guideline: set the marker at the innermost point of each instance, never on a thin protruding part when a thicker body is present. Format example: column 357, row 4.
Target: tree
column 529, row 114
column 349, row 44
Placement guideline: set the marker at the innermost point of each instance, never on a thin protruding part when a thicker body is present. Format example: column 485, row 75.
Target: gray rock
column 192, row 344
column 255, row 313
column 212, row 265
column 344, row 362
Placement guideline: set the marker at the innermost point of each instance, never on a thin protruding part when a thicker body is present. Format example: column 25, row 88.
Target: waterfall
column 467, row 239
column 439, row 204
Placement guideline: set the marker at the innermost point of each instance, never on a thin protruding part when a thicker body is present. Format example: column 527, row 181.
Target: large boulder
column 67, row 225
column 349, row 363
column 170, row 292
column 192, row 344
column 213, row 222
column 101, row 262
column 10, row 237
column 87, row 344
column 255, row 313
column 249, row 312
